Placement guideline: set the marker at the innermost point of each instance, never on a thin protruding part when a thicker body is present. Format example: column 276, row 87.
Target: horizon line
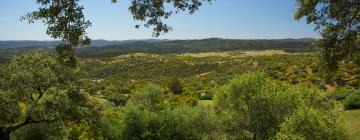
column 174, row 39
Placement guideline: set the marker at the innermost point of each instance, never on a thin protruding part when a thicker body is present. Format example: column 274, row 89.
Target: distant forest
column 103, row 48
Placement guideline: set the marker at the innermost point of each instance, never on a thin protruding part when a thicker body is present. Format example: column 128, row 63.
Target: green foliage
column 111, row 124
column 183, row 100
column 118, row 99
column 65, row 21
column 340, row 94
column 39, row 89
column 119, row 94
column 55, row 131
column 153, row 12
column 352, row 102
column 81, row 130
column 308, row 123
column 258, row 105
column 175, row 85
column 338, row 24
column 178, row 123
column 149, row 97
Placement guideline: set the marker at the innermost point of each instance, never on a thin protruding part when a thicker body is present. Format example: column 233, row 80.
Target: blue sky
column 238, row 19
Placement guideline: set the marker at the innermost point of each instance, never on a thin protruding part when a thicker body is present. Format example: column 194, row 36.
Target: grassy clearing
column 352, row 123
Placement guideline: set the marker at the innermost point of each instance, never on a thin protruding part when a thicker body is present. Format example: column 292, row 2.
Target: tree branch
column 27, row 121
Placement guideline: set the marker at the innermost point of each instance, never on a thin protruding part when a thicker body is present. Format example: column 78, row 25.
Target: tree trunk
column 4, row 135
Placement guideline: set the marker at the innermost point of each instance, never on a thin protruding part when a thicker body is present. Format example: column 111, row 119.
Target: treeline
column 194, row 46
column 102, row 48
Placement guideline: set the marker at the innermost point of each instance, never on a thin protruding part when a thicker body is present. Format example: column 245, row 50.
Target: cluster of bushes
column 349, row 97
column 250, row 107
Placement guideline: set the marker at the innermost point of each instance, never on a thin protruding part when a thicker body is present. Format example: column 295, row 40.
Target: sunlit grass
column 352, row 123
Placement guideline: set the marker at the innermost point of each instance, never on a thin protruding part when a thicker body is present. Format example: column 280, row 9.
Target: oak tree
column 338, row 22
column 36, row 88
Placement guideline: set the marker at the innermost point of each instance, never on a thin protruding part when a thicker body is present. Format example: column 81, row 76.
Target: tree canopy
column 65, row 19
column 36, row 88
column 338, row 22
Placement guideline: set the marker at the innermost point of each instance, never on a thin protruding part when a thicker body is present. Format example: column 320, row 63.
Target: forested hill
column 205, row 45
column 104, row 48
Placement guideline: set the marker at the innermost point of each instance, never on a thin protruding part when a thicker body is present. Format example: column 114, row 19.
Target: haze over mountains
column 105, row 48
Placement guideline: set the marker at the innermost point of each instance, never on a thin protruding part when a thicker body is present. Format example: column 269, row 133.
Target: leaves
column 339, row 24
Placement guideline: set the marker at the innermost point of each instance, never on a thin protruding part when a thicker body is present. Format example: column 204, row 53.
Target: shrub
column 175, row 85
column 183, row 100
column 54, row 131
column 178, row 123
column 188, row 100
column 80, row 130
column 352, row 102
column 148, row 97
column 258, row 105
column 340, row 94
column 309, row 123
column 193, row 94
column 117, row 99
column 206, row 97
column 111, row 124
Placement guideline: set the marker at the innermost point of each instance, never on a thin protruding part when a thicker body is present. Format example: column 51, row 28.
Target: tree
column 148, row 97
column 338, row 22
column 36, row 88
column 258, row 105
column 307, row 123
column 175, row 85
column 66, row 21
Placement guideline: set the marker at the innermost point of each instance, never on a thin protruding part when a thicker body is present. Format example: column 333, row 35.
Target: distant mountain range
column 105, row 48
column 94, row 43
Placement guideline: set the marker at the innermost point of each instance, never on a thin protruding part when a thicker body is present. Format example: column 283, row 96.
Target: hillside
column 104, row 48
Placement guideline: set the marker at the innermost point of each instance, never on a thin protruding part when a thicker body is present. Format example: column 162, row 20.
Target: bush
column 352, row 102
column 258, row 105
column 193, row 94
column 118, row 99
column 183, row 100
column 308, row 123
column 175, row 85
column 54, row 131
column 206, row 97
column 171, row 123
column 111, row 124
column 148, row 97
column 340, row 94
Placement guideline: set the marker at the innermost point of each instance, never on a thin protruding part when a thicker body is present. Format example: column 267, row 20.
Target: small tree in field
column 175, row 85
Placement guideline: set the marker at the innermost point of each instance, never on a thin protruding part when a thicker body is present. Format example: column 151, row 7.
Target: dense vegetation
column 56, row 96
column 149, row 96
column 102, row 48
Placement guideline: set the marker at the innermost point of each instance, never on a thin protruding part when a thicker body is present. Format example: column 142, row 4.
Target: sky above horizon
column 237, row 19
